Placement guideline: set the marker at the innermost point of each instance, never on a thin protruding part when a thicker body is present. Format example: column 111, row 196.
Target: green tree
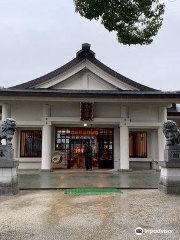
column 135, row 21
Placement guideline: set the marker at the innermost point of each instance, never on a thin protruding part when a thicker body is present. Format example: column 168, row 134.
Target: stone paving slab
column 72, row 179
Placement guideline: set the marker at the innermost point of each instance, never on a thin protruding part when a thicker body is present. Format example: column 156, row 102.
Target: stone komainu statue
column 7, row 129
column 172, row 133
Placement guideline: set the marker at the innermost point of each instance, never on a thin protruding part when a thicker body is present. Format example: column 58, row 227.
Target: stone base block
column 170, row 171
column 8, row 181
column 165, row 164
column 169, row 190
column 9, row 187
column 170, row 181
column 170, row 177
column 6, row 153
column 154, row 166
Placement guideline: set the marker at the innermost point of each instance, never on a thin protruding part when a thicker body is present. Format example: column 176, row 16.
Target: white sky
column 38, row 36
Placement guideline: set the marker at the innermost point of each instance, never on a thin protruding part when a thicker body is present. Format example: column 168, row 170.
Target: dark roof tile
column 90, row 93
column 84, row 53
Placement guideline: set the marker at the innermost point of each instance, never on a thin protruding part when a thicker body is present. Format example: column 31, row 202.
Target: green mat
column 92, row 191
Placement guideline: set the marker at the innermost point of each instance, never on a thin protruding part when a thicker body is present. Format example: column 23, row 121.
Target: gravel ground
column 54, row 215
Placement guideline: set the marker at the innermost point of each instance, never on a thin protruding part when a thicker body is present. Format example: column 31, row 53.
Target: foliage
column 135, row 21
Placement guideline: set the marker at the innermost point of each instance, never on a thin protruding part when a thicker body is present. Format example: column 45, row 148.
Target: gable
column 84, row 80
column 85, row 76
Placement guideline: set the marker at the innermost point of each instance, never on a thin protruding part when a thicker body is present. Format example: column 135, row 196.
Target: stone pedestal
column 170, row 171
column 8, row 173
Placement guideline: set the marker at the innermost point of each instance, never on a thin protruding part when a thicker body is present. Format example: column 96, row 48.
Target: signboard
column 58, row 160
column 86, row 111
column 83, row 131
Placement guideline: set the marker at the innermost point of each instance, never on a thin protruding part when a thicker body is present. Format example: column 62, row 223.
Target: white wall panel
column 143, row 114
column 26, row 111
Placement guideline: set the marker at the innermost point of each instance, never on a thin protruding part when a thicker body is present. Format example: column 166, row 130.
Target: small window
column 31, row 143
column 138, row 144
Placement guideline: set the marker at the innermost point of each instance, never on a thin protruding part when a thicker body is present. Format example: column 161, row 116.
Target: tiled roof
column 90, row 93
column 48, row 76
column 84, row 53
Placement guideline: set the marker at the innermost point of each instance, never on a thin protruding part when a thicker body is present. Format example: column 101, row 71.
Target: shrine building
column 85, row 101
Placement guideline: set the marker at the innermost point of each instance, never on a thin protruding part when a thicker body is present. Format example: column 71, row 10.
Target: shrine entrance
column 71, row 141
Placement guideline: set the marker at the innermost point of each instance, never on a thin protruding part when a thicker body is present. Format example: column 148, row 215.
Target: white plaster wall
column 96, row 83
column 143, row 113
column 85, row 80
column 31, row 111
column 153, row 145
column 72, row 109
column 71, row 83
column 27, row 111
column 107, row 110
column 65, row 109
column 29, row 164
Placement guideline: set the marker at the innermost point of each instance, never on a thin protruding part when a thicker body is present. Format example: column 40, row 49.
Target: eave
column 90, row 93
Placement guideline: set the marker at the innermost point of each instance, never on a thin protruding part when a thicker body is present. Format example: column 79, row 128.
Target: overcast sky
column 38, row 36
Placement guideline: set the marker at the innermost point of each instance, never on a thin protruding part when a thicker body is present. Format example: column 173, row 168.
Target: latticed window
column 138, row 144
column 31, row 143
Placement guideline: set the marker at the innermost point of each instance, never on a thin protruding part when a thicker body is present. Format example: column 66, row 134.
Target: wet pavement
column 82, row 179
column 49, row 215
